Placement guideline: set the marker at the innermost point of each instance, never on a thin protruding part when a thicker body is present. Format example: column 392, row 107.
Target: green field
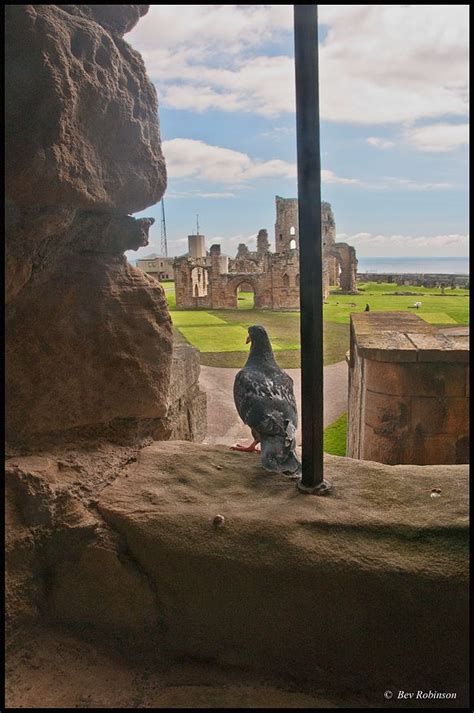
column 335, row 437
column 220, row 334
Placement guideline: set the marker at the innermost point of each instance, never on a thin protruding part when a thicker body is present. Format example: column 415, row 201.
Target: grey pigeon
column 265, row 401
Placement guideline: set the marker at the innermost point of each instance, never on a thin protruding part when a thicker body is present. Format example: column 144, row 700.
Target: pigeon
column 265, row 402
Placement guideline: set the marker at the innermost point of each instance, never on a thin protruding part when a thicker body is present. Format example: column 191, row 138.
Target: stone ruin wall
column 89, row 342
column 273, row 276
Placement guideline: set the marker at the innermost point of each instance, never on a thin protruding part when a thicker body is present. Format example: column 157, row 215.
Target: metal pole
column 309, row 221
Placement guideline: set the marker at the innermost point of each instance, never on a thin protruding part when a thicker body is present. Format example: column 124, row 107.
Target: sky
column 394, row 123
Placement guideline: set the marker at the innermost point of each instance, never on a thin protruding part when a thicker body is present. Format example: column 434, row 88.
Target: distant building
column 161, row 268
column 213, row 280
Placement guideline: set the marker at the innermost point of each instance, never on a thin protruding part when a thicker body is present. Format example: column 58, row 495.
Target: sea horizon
column 446, row 265
column 406, row 265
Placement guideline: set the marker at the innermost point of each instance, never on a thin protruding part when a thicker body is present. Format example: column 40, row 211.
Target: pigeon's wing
column 266, row 402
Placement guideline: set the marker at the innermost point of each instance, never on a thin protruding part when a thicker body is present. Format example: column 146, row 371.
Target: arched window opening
column 293, row 244
column 297, row 280
column 292, row 230
column 286, row 280
column 196, row 291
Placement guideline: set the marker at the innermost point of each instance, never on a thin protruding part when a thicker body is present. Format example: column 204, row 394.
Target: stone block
column 386, row 346
column 387, row 415
column 430, row 414
column 437, row 448
column 380, row 446
column 440, row 347
column 382, row 559
column 107, row 591
column 415, row 379
column 457, row 421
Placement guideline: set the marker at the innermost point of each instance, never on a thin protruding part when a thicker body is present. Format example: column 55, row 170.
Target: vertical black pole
column 309, row 214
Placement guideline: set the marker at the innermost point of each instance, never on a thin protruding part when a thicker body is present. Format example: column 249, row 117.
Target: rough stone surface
column 99, row 349
column 124, row 541
column 89, row 340
column 186, row 418
column 61, row 670
column 381, row 558
column 62, row 560
column 115, row 19
column 81, row 124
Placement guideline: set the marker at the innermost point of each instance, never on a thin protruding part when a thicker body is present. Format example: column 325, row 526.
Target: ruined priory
column 212, row 280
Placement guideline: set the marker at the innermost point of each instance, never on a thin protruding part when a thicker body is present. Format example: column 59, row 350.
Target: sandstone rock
column 81, row 124
column 88, row 337
column 353, row 587
column 105, row 590
column 30, row 234
column 90, row 344
column 117, row 19
column 46, row 525
column 186, row 419
column 59, row 552
column 24, row 587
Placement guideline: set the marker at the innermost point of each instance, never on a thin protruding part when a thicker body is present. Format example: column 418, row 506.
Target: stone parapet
column 408, row 391
column 366, row 589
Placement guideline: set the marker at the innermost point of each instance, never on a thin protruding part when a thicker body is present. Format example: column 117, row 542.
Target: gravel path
column 223, row 423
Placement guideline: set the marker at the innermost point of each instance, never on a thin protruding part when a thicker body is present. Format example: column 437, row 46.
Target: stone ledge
column 366, row 588
column 357, row 586
column 402, row 337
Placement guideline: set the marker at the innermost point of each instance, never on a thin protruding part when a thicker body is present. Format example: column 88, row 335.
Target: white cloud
column 378, row 63
column 438, row 137
column 192, row 159
column 196, row 160
column 217, row 195
column 188, row 158
column 408, row 184
column 330, row 177
column 407, row 245
column 380, row 143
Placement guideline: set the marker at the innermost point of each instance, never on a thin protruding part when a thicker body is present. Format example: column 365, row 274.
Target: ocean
column 423, row 265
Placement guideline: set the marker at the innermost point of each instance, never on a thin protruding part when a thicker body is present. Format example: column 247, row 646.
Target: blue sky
column 394, row 126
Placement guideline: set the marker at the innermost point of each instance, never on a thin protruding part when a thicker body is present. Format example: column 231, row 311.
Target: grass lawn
column 220, row 334
column 335, row 437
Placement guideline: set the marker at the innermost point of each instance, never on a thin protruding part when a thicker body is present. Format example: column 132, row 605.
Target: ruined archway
column 245, row 295
column 242, row 285
column 345, row 256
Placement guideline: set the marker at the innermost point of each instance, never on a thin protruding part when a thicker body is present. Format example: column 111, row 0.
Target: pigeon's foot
column 253, row 448
column 292, row 476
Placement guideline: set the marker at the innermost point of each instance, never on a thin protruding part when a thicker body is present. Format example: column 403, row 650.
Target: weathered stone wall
column 88, row 338
column 186, row 416
column 286, row 225
column 408, row 391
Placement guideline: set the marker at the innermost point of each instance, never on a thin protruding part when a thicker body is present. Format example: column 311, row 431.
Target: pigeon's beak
column 248, row 339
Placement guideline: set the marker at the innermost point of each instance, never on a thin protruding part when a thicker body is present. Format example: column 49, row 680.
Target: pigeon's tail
column 278, row 452
column 278, row 457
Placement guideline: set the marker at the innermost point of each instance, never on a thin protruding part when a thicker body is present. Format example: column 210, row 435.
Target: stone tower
column 197, row 246
column 286, row 226
column 263, row 246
